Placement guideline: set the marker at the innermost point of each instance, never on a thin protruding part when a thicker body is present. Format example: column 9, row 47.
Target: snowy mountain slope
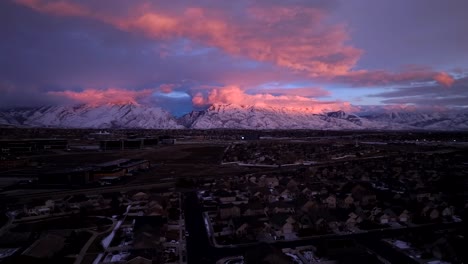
column 85, row 116
column 229, row 116
column 187, row 120
column 423, row 120
column 254, row 117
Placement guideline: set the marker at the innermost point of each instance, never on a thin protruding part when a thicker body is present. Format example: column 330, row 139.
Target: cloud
column 167, row 88
column 14, row 96
column 235, row 95
column 372, row 78
column 294, row 36
column 444, row 79
column 106, row 96
column 61, row 8
column 302, row 91
column 424, row 95
column 65, row 46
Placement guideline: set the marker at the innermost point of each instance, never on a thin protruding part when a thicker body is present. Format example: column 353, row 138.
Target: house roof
column 279, row 219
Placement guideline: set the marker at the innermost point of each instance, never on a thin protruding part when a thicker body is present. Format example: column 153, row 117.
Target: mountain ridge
column 229, row 116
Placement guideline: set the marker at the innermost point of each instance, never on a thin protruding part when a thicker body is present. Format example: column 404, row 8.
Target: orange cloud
column 293, row 37
column 444, row 79
column 167, row 88
column 234, row 95
column 305, row 43
column 107, row 96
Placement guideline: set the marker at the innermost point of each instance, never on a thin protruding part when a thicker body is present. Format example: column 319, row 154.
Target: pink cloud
column 444, row 79
column 167, row 88
column 383, row 78
column 304, row 43
column 298, row 38
column 107, row 96
column 234, row 95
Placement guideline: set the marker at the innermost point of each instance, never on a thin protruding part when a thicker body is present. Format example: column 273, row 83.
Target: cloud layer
column 302, row 51
column 234, row 95
column 106, row 96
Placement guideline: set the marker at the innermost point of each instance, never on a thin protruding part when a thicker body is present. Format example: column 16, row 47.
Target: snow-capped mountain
column 445, row 120
column 254, row 117
column 264, row 117
column 230, row 116
column 88, row 116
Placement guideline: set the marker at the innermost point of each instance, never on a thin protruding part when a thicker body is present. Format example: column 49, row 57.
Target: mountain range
column 232, row 117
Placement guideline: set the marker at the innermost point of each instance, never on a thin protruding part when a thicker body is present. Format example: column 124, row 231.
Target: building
column 76, row 176
column 124, row 144
column 32, row 145
column 119, row 168
column 10, row 163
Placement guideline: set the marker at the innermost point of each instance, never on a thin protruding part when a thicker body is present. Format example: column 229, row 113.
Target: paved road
column 198, row 246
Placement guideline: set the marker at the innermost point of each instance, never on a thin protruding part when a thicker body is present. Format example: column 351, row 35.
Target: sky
column 185, row 55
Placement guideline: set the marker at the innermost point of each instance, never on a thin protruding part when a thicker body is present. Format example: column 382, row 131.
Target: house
column 292, row 185
column 404, row 216
column 384, row 219
column 254, row 208
column 421, row 196
column 271, row 181
column 448, row 211
column 225, row 196
column 242, row 230
column 227, row 211
column 306, row 191
column 352, row 220
column 286, row 195
column 288, row 228
column 348, row 201
column 368, row 198
column 281, row 207
column 333, row 225
column 392, row 217
column 38, row 210
column 284, row 224
column 140, row 196
column 375, row 212
column 304, row 221
column 153, row 208
column 434, row 214
column 309, row 205
column 331, row 201
column 50, row 204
